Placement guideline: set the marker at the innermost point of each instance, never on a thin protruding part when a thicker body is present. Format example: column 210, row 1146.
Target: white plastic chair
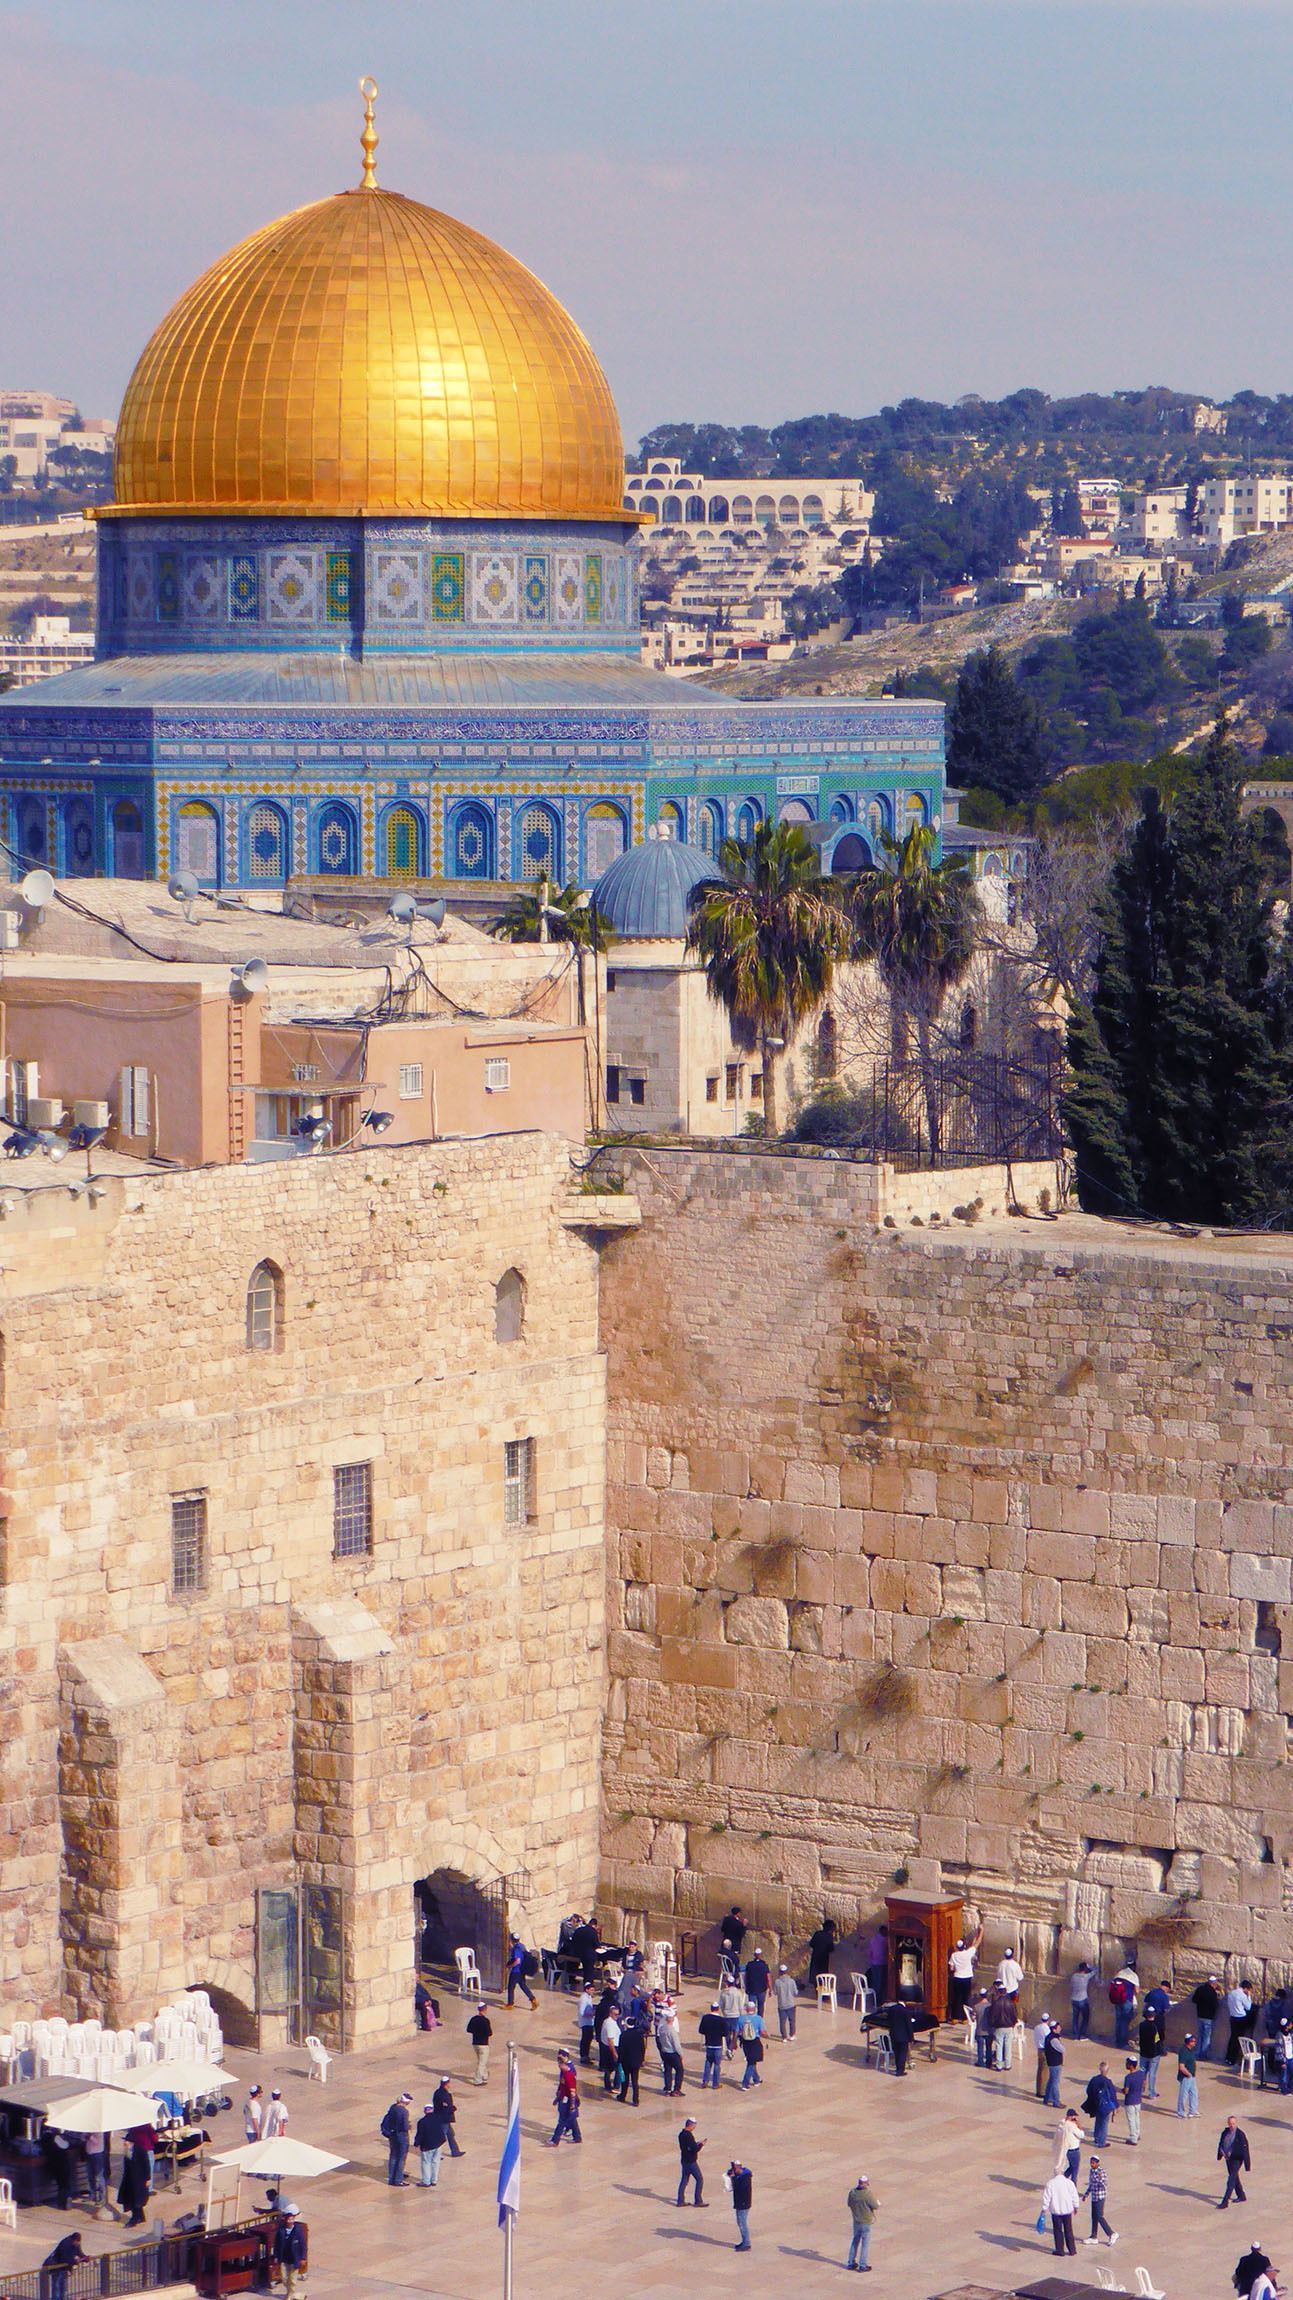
column 8, row 2209
column 468, row 1972
column 968, row 2018
column 146, row 2053
column 884, row 2050
column 1146, row 2286
column 320, row 2058
column 93, row 2028
column 1250, row 2061
column 826, row 1991
column 58, row 2027
column 861, row 1991
column 22, row 2036
column 8, row 2054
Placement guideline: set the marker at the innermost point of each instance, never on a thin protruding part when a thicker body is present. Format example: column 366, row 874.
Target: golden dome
column 370, row 354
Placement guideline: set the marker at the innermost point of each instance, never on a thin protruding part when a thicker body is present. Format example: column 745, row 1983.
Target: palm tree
column 919, row 920
column 539, row 915
column 768, row 936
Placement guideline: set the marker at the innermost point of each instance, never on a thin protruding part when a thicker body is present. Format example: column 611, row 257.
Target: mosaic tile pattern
column 338, row 589
column 447, row 586
column 567, row 588
column 141, row 583
column 593, row 587
column 168, row 587
column 493, row 587
column 398, row 587
column 536, row 587
column 203, row 593
column 292, row 587
column 244, row 588
column 612, row 588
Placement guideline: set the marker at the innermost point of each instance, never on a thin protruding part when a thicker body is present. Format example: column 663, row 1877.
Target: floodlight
column 53, row 1145
column 377, row 1121
column 313, row 1132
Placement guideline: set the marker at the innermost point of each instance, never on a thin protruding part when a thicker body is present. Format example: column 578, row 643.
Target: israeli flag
column 509, row 2169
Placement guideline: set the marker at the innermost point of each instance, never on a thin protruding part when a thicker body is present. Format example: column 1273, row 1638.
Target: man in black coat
column 290, row 2249
column 731, row 1933
column 899, row 2023
column 633, row 2044
column 689, row 2148
column 758, row 1980
column 1232, row 2151
column 443, row 2102
column 821, row 1948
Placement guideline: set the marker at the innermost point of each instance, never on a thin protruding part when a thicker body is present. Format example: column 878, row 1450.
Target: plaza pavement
column 957, row 2158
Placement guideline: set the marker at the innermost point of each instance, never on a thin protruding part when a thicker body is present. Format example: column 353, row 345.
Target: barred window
column 410, row 1081
column 498, row 1074
column 188, row 1543
column 518, row 1481
column 352, row 1509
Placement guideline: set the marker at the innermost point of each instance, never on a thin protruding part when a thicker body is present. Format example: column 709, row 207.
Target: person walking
column 1060, row 2199
column 751, row 2045
column 608, row 2042
column 289, row 2250
column 739, row 2183
column 633, row 2044
column 586, row 2016
column 1233, row 2152
column 274, row 2121
column 785, row 1996
column 394, row 2129
column 668, row 2038
column 713, row 2030
column 253, row 2113
column 1068, row 2144
column 1097, row 2192
column 1133, row 2093
column 136, row 2181
column 1206, row 2001
column 442, row 2099
column 1080, row 1980
column 1053, row 2057
column 1187, row 2079
column 429, row 2140
column 863, row 2208
column 690, row 2174
column 758, row 1980
column 566, row 2102
column 95, row 2145
column 1149, row 2044
column 731, row 1999
column 480, row 2029
column 1100, row 2102
column 520, row 1965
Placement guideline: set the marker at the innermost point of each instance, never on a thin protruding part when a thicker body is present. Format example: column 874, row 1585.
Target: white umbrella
column 281, row 2159
column 104, row 2108
column 185, row 2078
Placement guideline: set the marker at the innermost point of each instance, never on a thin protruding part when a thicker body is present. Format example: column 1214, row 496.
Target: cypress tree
column 1181, row 1065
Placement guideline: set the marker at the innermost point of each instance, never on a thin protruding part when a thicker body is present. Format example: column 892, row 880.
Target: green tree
column 1180, row 1068
column 768, row 937
column 996, row 734
column 919, row 920
column 542, row 915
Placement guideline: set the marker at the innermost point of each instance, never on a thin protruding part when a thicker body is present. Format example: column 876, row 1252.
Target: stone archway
column 465, row 1896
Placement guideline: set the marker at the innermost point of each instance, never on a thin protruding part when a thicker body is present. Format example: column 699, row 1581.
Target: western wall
column 956, row 1556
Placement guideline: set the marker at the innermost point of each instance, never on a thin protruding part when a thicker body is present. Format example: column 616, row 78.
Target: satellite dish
column 37, row 889
column 251, row 976
column 434, row 910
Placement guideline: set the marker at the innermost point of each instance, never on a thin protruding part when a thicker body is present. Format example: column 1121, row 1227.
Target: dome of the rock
column 368, row 353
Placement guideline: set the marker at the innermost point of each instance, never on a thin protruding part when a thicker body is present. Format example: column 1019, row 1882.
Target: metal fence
column 967, row 1110
column 139, row 2268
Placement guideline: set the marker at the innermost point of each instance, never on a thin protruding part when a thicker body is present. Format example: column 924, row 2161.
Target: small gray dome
column 645, row 894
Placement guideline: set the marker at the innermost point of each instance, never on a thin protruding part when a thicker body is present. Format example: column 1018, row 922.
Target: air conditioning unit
column 90, row 1114
column 44, row 1110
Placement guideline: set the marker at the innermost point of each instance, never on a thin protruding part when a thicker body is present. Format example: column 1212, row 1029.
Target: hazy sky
column 754, row 208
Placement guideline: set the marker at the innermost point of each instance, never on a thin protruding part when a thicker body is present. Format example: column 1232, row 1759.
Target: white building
column 1229, row 508
column 677, row 497
column 1158, row 516
column 51, row 645
column 32, row 439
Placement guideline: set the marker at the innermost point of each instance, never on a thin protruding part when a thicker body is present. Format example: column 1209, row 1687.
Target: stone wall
column 960, row 1558
column 355, row 1722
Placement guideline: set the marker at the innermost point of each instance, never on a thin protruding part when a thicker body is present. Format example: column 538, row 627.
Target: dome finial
column 368, row 140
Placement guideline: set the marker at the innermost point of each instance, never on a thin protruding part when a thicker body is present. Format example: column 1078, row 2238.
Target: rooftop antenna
column 369, row 139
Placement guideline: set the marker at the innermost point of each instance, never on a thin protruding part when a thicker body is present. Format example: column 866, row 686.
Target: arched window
column 696, row 511
column 788, row 511
column 877, row 819
column 749, row 816
column 794, row 811
column 127, row 840
column 403, row 843
column 605, row 837
column 841, row 810
column 720, row 511
column 472, row 842
column 742, row 511
column 338, row 841
column 969, row 1027
column 33, row 830
column 850, row 853
column 671, row 511
column 509, row 1307
column 265, row 1308
column 671, row 821
column 914, row 810
column 78, row 836
column 765, row 511
column 539, row 837
column 266, row 842
column 828, row 1046
column 711, row 827
column 197, row 841
column 813, row 511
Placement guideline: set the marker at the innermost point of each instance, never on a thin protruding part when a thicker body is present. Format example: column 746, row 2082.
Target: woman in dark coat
column 132, row 2195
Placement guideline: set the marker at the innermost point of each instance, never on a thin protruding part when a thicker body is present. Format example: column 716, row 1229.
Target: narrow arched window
column 265, row 1308
column 509, row 1307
